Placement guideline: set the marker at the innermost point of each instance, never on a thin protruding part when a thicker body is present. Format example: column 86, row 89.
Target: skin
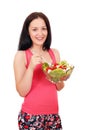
column 23, row 77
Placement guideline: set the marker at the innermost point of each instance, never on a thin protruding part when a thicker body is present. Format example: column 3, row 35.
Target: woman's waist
column 40, row 108
column 41, row 99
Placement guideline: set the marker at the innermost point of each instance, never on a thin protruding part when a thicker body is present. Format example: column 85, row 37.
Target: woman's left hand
column 59, row 85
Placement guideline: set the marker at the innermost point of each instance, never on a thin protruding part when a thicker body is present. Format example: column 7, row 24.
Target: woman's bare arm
column 23, row 76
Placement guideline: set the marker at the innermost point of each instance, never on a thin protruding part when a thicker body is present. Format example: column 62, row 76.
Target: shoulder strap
column 28, row 55
column 52, row 55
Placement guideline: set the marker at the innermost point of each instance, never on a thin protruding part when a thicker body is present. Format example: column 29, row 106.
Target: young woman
column 40, row 110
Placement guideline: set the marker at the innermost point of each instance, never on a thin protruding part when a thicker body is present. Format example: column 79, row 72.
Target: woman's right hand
column 35, row 59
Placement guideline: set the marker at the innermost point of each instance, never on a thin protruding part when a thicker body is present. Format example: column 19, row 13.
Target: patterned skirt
column 39, row 122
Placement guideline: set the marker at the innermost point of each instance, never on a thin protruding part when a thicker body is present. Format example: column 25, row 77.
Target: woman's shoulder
column 19, row 56
column 56, row 53
column 19, row 53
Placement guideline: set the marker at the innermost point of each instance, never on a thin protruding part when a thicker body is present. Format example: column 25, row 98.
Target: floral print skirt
column 39, row 122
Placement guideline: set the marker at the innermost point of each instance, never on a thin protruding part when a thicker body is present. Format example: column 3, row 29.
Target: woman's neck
column 37, row 50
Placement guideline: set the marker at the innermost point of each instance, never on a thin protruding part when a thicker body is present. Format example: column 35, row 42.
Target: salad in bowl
column 57, row 72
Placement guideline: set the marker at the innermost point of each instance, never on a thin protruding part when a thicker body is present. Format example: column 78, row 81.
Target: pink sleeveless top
column 42, row 98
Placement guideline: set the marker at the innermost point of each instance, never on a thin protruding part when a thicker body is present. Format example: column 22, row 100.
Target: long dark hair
column 25, row 41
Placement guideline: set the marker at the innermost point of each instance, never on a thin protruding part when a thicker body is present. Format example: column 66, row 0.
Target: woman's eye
column 44, row 28
column 34, row 29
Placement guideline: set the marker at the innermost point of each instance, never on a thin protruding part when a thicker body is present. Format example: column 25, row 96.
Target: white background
column 68, row 20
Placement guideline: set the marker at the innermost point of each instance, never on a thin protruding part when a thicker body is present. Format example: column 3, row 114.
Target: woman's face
column 38, row 31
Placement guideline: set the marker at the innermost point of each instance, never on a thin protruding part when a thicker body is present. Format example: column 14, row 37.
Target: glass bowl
column 58, row 72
